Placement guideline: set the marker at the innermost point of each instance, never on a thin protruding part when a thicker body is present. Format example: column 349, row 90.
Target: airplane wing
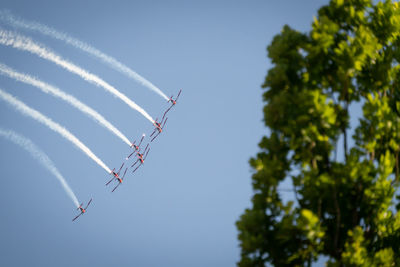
column 168, row 109
column 110, row 181
column 115, row 187
column 76, row 217
column 146, row 154
column 164, row 115
column 124, row 173
column 155, row 137
column 137, row 168
column 90, row 201
column 129, row 155
column 141, row 140
column 121, row 168
column 135, row 163
column 164, row 123
column 176, row 99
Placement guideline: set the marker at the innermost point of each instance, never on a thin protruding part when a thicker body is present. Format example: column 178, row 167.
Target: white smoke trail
column 24, row 43
column 40, row 156
column 47, row 88
column 36, row 115
column 48, row 31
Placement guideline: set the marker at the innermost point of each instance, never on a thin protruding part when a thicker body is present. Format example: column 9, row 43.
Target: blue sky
column 180, row 208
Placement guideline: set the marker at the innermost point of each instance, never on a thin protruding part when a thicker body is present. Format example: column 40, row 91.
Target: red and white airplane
column 141, row 157
column 117, row 177
column 83, row 210
column 135, row 147
column 173, row 102
column 158, row 126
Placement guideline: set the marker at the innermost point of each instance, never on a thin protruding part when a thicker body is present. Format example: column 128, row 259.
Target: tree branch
column 338, row 218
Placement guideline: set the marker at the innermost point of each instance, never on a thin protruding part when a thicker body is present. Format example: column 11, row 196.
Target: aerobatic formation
column 133, row 161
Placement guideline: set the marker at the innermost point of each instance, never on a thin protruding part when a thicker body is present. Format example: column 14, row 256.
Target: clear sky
column 180, row 208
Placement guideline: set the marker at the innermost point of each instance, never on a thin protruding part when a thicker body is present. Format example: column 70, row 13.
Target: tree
column 345, row 208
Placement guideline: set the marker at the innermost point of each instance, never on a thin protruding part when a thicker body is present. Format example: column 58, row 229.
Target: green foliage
column 345, row 208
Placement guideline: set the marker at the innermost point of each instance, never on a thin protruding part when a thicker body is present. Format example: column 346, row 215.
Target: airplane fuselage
column 140, row 157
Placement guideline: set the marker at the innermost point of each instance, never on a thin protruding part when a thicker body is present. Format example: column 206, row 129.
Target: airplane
column 117, row 177
column 135, row 147
column 141, row 158
column 158, row 126
column 83, row 210
column 116, row 174
column 173, row 102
